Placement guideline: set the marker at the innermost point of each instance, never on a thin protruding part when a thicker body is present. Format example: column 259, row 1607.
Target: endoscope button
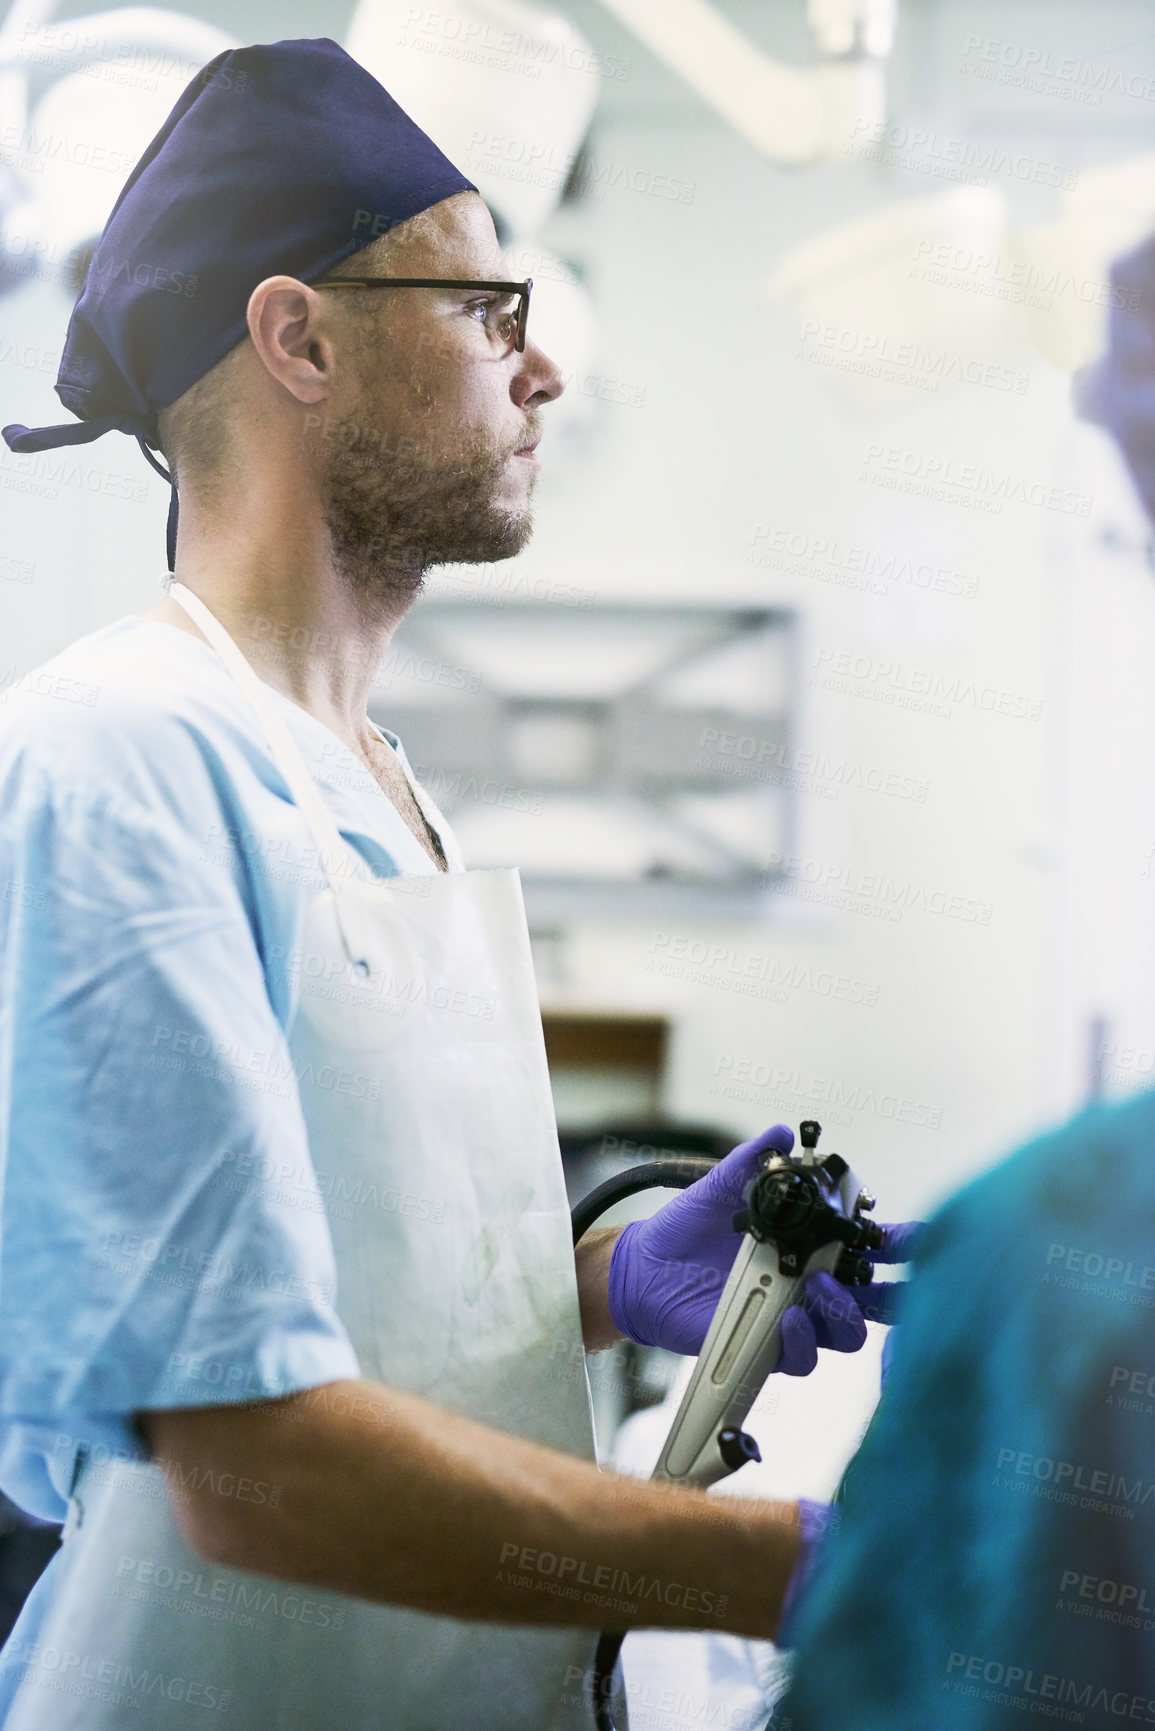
column 736, row 1447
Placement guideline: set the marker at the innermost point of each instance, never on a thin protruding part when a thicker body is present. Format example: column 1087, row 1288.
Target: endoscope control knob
column 854, row 1270
column 736, row 1447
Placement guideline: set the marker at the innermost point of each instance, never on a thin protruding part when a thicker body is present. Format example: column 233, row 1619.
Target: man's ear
column 286, row 323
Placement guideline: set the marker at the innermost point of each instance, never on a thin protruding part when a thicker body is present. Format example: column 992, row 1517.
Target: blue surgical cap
column 282, row 158
column 1118, row 391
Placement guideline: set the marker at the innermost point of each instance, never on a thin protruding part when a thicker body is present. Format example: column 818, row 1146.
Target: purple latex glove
column 667, row 1272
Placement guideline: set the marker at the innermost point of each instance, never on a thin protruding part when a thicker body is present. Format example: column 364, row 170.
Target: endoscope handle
column 742, row 1347
column 803, row 1215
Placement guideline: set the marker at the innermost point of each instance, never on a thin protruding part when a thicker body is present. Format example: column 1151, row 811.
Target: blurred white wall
column 1009, row 828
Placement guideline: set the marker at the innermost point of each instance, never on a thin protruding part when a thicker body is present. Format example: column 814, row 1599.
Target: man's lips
column 528, row 450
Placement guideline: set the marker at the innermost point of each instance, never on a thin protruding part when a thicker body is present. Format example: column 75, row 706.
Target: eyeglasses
column 507, row 324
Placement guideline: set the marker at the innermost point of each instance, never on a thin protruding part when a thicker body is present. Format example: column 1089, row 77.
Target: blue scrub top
column 163, row 1240
column 995, row 1565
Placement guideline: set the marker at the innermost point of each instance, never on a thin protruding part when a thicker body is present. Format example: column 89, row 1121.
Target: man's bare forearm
column 592, row 1258
column 387, row 1497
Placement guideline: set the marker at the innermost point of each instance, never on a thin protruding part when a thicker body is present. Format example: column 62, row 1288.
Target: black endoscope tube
column 676, row 1174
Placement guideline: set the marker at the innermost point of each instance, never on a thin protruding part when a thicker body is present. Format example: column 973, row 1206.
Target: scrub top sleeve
column 163, row 1239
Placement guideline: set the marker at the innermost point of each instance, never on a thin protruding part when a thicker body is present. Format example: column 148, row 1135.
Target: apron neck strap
column 339, row 860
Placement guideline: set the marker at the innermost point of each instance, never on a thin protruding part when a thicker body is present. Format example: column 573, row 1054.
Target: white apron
column 442, row 1182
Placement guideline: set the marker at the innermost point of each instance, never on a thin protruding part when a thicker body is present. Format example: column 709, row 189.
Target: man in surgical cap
column 300, row 302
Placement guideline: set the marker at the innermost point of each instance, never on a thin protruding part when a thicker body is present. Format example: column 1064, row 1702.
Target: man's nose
column 538, row 379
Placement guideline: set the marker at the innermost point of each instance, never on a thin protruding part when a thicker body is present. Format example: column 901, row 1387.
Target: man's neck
column 298, row 624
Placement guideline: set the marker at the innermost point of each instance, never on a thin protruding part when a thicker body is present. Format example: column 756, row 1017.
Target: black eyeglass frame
column 522, row 289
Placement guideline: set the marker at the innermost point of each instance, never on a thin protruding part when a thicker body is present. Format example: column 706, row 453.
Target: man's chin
column 506, row 537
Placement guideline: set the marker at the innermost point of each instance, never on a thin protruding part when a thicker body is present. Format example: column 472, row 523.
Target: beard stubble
column 394, row 508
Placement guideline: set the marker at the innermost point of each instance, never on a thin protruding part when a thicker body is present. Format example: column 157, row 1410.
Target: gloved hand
column 667, row 1272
